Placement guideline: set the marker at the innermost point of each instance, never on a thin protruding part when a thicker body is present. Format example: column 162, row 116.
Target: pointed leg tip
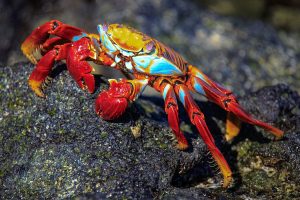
column 231, row 133
column 237, row 110
column 36, row 87
column 228, row 137
column 275, row 131
column 278, row 134
column 227, row 182
column 39, row 93
column 28, row 47
column 89, row 81
column 233, row 126
column 182, row 146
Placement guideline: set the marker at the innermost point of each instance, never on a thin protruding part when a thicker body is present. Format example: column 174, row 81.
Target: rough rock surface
column 58, row 148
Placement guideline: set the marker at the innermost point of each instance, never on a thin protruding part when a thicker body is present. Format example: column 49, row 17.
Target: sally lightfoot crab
column 145, row 61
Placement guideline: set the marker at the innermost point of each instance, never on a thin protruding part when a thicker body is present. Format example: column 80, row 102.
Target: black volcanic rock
column 59, row 148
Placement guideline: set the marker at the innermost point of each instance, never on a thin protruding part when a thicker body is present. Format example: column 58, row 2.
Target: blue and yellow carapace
column 144, row 61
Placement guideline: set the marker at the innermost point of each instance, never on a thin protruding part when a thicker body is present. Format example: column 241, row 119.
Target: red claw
column 90, row 82
column 34, row 40
column 112, row 103
column 77, row 65
column 40, row 35
column 110, row 108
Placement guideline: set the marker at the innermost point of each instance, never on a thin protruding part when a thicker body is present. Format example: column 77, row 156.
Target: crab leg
column 54, row 27
column 233, row 123
column 44, row 67
column 41, row 71
column 226, row 100
column 233, row 126
column 112, row 103
column 171, row 108
column 197, row 118
column 75, row 56
column 194, row 71
column 50, row 43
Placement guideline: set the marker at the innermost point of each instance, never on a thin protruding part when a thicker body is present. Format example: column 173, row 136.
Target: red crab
column 149, row 62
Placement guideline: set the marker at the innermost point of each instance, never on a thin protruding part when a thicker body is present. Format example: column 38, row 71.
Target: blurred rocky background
column 243, row 44
column 58, row 147
column 282, row 14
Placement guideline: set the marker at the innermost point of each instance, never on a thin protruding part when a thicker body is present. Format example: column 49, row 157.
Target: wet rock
column 58, row 148
column 270, row 169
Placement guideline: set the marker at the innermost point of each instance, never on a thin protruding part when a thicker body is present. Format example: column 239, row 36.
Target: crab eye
column 55, row 25
column 105, row 40
column 102, row 28
column 105, row 27
column 150, row 46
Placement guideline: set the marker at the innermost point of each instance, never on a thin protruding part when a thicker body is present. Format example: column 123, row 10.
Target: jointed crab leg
column 197, row 118
column 44, row 67
column 41, row 71
column 226, row 100
column 50, row 43
column 194, row 71
column 171, row 108
column 75, row 56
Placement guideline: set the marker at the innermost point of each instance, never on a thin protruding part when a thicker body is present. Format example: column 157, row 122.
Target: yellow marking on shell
column 111, row 81
column 128, row 38
column 93, row 50
column 93, row 35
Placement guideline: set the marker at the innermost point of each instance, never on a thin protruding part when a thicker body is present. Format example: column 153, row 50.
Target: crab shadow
column 213, row 116
column 101, row 83
column 62, row 67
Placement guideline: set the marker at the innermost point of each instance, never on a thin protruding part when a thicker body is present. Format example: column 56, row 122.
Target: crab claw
column 112, row 103
column 35, row 39
column 34, row 42
column 110, row 108
column 89, row 82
